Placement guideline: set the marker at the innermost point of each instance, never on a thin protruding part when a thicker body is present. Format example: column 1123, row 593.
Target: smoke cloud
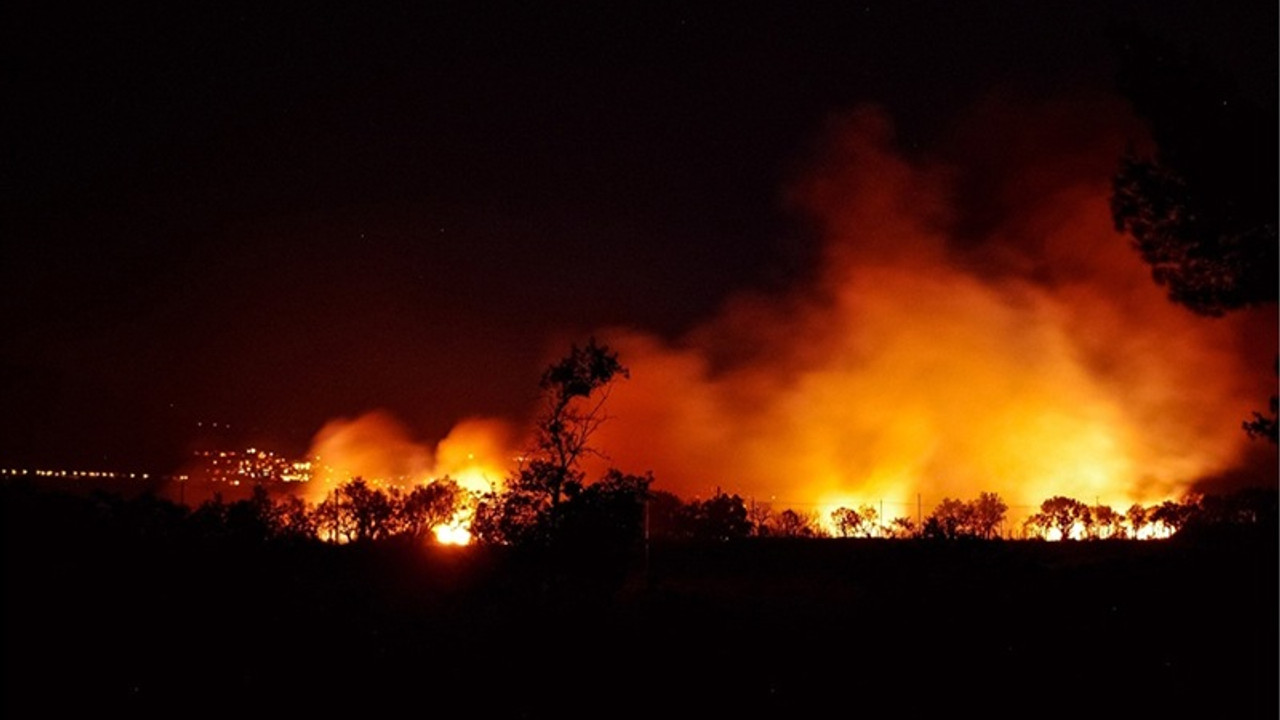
column 976, row 324
column 377, row 447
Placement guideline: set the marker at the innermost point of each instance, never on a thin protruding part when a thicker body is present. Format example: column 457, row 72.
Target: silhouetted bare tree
column 574, row 391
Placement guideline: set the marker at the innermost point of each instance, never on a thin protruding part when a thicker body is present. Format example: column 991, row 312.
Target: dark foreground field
column 119, row 625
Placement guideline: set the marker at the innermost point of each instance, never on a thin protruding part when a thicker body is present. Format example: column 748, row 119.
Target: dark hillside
column 106, row 618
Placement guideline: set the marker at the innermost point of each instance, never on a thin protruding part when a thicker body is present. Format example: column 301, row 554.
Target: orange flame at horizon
column 375, row 446
column 1034, row 357
column 1039, row 360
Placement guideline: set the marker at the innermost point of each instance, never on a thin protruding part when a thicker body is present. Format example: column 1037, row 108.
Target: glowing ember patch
column 1077, row 532
column 1154, row 531
column 477, row 479
column 452, row 535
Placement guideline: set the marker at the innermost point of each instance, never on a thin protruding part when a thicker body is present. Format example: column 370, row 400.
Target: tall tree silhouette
column 1201, row 208
column 574, row 391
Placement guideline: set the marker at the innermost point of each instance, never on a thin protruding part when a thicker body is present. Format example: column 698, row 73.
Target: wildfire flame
column 1038, row 359
column 1029, row 355
column 455, row 532
column 375, row 446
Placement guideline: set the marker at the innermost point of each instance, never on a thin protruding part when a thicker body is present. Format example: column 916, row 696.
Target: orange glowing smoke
column 1027, row 353
column 375, row 446
column 1035, row 359
column 478, row 453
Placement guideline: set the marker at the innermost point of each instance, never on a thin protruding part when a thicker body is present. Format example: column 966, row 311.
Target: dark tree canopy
column 951, row 519
column 1061, row 513
column 721, row 517
column 1201, row 210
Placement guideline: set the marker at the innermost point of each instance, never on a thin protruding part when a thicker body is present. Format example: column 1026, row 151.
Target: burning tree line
column 619, row 511
column 549, row 502
column 1058, row 517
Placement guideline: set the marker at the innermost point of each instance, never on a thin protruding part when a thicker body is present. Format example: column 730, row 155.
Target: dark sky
column 272, row 214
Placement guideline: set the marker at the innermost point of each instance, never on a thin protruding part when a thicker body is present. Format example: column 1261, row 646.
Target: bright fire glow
column 476, row 454
column 374, row 446
column 454, row 533
column 1148, row 531
column 949, row 343
column 1035, row 358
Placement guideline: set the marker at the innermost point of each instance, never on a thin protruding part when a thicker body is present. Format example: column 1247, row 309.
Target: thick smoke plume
column 378, row 448
column 968, row 330
column 975, row 324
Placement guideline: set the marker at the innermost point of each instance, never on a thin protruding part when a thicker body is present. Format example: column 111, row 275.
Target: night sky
column 269, row 215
